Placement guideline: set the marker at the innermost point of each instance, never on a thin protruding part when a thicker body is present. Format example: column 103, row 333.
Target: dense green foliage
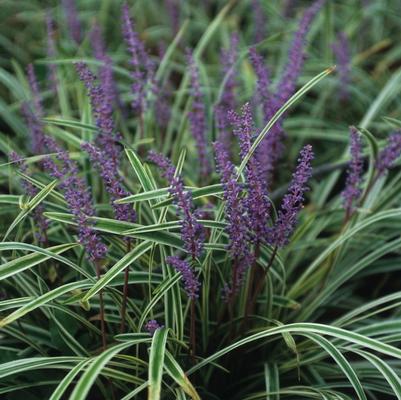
column 326, row 323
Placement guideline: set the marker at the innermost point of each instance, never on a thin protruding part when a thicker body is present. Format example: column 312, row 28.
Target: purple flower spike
column 259, row 21
column 167, row 167
column 352, row 189
column 51, row 49
column 388, row 156
column 192, row 232
column 142, row 73
column 262, row 84
column 236, row 217
column 103, row 113
column 227, row 101
column 296, row 55
column 101, row 108
column 238, row 222
column 76, row 193
column 152, row 326
column 74, row 25
column 106, row 154
column 293, row 200
column 191, row 282
column 257, row 202
column 78, row 198
column 112, row 181
column 197, row 117
column 342, row 54
column 271, row 148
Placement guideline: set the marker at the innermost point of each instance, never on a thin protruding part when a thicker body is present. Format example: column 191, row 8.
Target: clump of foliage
column 200, row 200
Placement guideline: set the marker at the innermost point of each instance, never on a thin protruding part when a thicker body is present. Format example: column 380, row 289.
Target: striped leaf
column 176, row 372
column 117, row 268
column 341, row 361
column 120, row 228
column 96, row 367
column 67, row 380
column 69, row 123
column 279, row 113
column 389, row 374
column 30, row 206
column 302, row 328
column 197, row 193
column 39, row 255
column 140, row 171
column 156, row 363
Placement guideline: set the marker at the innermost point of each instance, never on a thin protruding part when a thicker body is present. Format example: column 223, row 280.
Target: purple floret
column 293, row 200
column 389, row 155
column 197, row 118
column 353, row 183
column 191, row 282
column 152, row 326
column 192, row 232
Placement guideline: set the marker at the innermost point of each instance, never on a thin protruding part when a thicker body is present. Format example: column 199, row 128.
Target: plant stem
column 101, row 311
column 234, row 286
column 140, row 149
column 250, row 286
column 125, row 292
column 252, row 277
column 192, row 333
column 261, row 282
column 347, row 218
column 192, row 327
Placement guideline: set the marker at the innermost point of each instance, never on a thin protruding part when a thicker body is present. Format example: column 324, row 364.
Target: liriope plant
column 176, row 220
